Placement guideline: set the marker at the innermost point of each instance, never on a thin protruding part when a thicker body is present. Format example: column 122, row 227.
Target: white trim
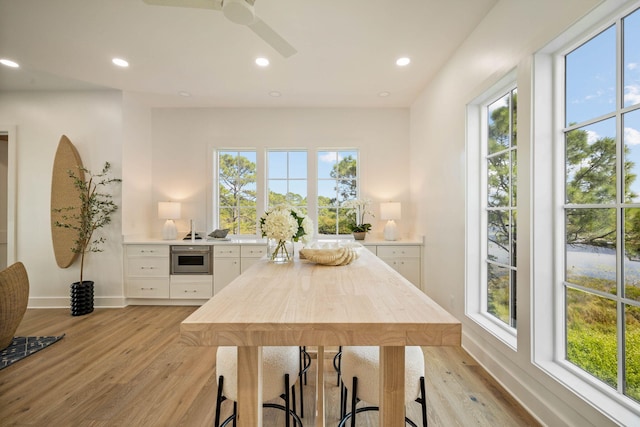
column 12, row 179
column 64, row 302
column 548, row 309
column 476, row 196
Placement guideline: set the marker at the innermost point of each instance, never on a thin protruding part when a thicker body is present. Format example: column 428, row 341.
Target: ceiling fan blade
column 196, row 4
column 267, row 34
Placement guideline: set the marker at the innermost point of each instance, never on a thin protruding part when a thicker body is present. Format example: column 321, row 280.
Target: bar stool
column 305, row 364
column 279, row 366
column 362, row 366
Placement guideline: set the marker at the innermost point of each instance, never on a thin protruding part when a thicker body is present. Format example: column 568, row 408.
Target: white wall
column 183, row 140
column 136, row 168
column 93, row 122
column 506, row 39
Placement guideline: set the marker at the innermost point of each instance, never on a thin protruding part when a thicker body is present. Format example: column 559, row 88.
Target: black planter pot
column 81, row 298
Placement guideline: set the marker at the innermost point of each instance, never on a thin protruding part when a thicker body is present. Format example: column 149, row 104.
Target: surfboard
column 64, row 195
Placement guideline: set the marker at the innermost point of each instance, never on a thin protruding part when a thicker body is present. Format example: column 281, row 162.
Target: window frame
column 215, row 218
column 476, row 287
column 262, row 178
column 548, row 181
column 317, row 185
column 288, row 151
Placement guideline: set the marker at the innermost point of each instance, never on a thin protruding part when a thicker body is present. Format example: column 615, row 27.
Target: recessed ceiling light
column 275, row 94
column 184, row 93
column 384, row 94
column 262, row 62
column 9, row 63
column 120, row 62
column 404, row 61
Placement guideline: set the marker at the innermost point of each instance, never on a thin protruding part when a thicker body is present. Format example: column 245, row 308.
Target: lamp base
column 169, row 231
column 390, row 230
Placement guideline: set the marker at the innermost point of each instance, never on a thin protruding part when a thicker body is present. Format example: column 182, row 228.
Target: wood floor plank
column 126, row 367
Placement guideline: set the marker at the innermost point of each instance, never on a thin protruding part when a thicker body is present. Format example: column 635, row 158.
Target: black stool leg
column 423, row 402
column 343, row 400
column 235, row 413
column 286, row 400
column 354, row 401
column 219, row 400
column 337, row 361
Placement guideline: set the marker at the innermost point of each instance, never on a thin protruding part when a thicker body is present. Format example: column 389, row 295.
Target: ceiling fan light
column 238, row 11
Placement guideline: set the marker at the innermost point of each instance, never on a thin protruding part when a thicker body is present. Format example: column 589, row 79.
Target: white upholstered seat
column 276, row 363
column 363, row 363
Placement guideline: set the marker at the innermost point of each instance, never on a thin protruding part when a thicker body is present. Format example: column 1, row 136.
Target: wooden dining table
column 305, row 304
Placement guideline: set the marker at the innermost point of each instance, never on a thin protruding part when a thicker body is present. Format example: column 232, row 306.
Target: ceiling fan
column 239, row 12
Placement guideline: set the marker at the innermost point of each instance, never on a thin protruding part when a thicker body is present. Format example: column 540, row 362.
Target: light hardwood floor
column 126, row 367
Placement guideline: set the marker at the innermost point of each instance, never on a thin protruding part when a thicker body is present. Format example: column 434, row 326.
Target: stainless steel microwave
column 187, row 259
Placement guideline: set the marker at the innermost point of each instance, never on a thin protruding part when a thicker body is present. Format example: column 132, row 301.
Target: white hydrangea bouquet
column 284, row 225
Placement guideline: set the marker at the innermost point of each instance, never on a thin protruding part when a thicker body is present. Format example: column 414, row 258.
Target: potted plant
column 359, row 208
column 94, row 212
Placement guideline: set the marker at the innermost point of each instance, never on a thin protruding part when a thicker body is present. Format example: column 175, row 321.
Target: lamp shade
column 168, row 210
column 390, row 210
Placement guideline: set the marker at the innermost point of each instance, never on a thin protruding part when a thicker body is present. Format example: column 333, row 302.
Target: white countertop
column 370, row 240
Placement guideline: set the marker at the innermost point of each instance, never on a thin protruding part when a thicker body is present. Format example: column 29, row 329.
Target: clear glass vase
column 280, row 251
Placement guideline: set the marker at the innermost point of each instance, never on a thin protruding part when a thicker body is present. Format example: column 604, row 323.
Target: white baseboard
column 534, row 392
column 63, row 302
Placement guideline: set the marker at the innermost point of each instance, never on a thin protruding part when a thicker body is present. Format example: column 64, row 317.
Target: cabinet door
column 245, row 263
column 410, row 269
column 224, row 271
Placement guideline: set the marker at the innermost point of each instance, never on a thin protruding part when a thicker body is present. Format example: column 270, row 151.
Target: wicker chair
column 14, row 296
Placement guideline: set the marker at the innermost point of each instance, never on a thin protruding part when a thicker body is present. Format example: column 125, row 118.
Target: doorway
column 4, row 174
column 8, row 167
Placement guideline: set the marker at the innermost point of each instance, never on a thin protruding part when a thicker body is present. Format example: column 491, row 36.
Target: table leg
column 320, row 387
column 392, row 386
column 249, row 386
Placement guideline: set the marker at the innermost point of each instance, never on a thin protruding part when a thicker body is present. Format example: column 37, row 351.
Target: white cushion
column 364, row 363
column 276, row 362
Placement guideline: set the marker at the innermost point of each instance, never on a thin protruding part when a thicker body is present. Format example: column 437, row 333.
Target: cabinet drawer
column 398, row 251
column 191, row 290
column 148, row 288
column 148, row 267
column 148, row 250
column 253, row 251
column 226, row 251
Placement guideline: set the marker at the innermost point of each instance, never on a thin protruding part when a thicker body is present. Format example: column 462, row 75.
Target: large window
column 501, row 214
column 491, row 270
column 601, row 212
column 337, row 183
column 237, row 191
column 287, row 178
column 247, row 183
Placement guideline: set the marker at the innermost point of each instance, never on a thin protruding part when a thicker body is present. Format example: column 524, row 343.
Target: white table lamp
column 169, row 211
column 390, row 211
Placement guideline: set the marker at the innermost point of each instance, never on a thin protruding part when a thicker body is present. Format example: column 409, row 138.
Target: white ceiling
column 346, row 50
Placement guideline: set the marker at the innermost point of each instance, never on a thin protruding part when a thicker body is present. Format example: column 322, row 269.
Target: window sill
column 504, row 334
column 618, row 408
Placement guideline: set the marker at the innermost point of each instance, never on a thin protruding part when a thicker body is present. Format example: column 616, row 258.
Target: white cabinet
column 226, row 265
column 405, row 259
column 250, row 254
column 191, row 286
column 146, row 271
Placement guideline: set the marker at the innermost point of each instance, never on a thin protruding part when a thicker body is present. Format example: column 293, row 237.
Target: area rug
column 22, row 347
